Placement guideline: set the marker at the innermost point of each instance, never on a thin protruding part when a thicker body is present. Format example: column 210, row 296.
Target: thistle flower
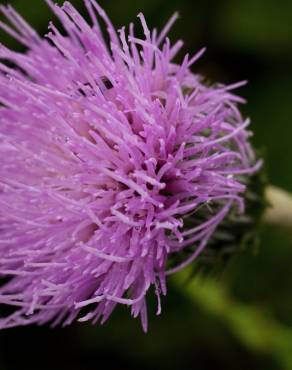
column 114, row 160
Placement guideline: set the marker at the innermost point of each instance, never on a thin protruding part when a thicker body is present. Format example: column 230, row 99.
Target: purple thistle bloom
column 104, row 153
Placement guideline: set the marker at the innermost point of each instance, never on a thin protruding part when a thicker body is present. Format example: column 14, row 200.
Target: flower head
column 107, row 151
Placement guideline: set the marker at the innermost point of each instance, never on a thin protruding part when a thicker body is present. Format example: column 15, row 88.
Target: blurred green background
column 242, row 319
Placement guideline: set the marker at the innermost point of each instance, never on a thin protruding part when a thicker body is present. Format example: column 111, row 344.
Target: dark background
column 241, row 320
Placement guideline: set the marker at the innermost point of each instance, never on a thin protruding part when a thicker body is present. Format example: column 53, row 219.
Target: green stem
column 254, row 327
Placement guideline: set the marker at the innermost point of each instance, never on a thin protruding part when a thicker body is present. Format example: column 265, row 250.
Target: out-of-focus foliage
column 243, row 318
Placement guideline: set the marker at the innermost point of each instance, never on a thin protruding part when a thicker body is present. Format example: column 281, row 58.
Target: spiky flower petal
column 105, row 150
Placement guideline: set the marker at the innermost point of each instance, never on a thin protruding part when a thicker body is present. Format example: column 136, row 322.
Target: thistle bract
column 106, row 151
